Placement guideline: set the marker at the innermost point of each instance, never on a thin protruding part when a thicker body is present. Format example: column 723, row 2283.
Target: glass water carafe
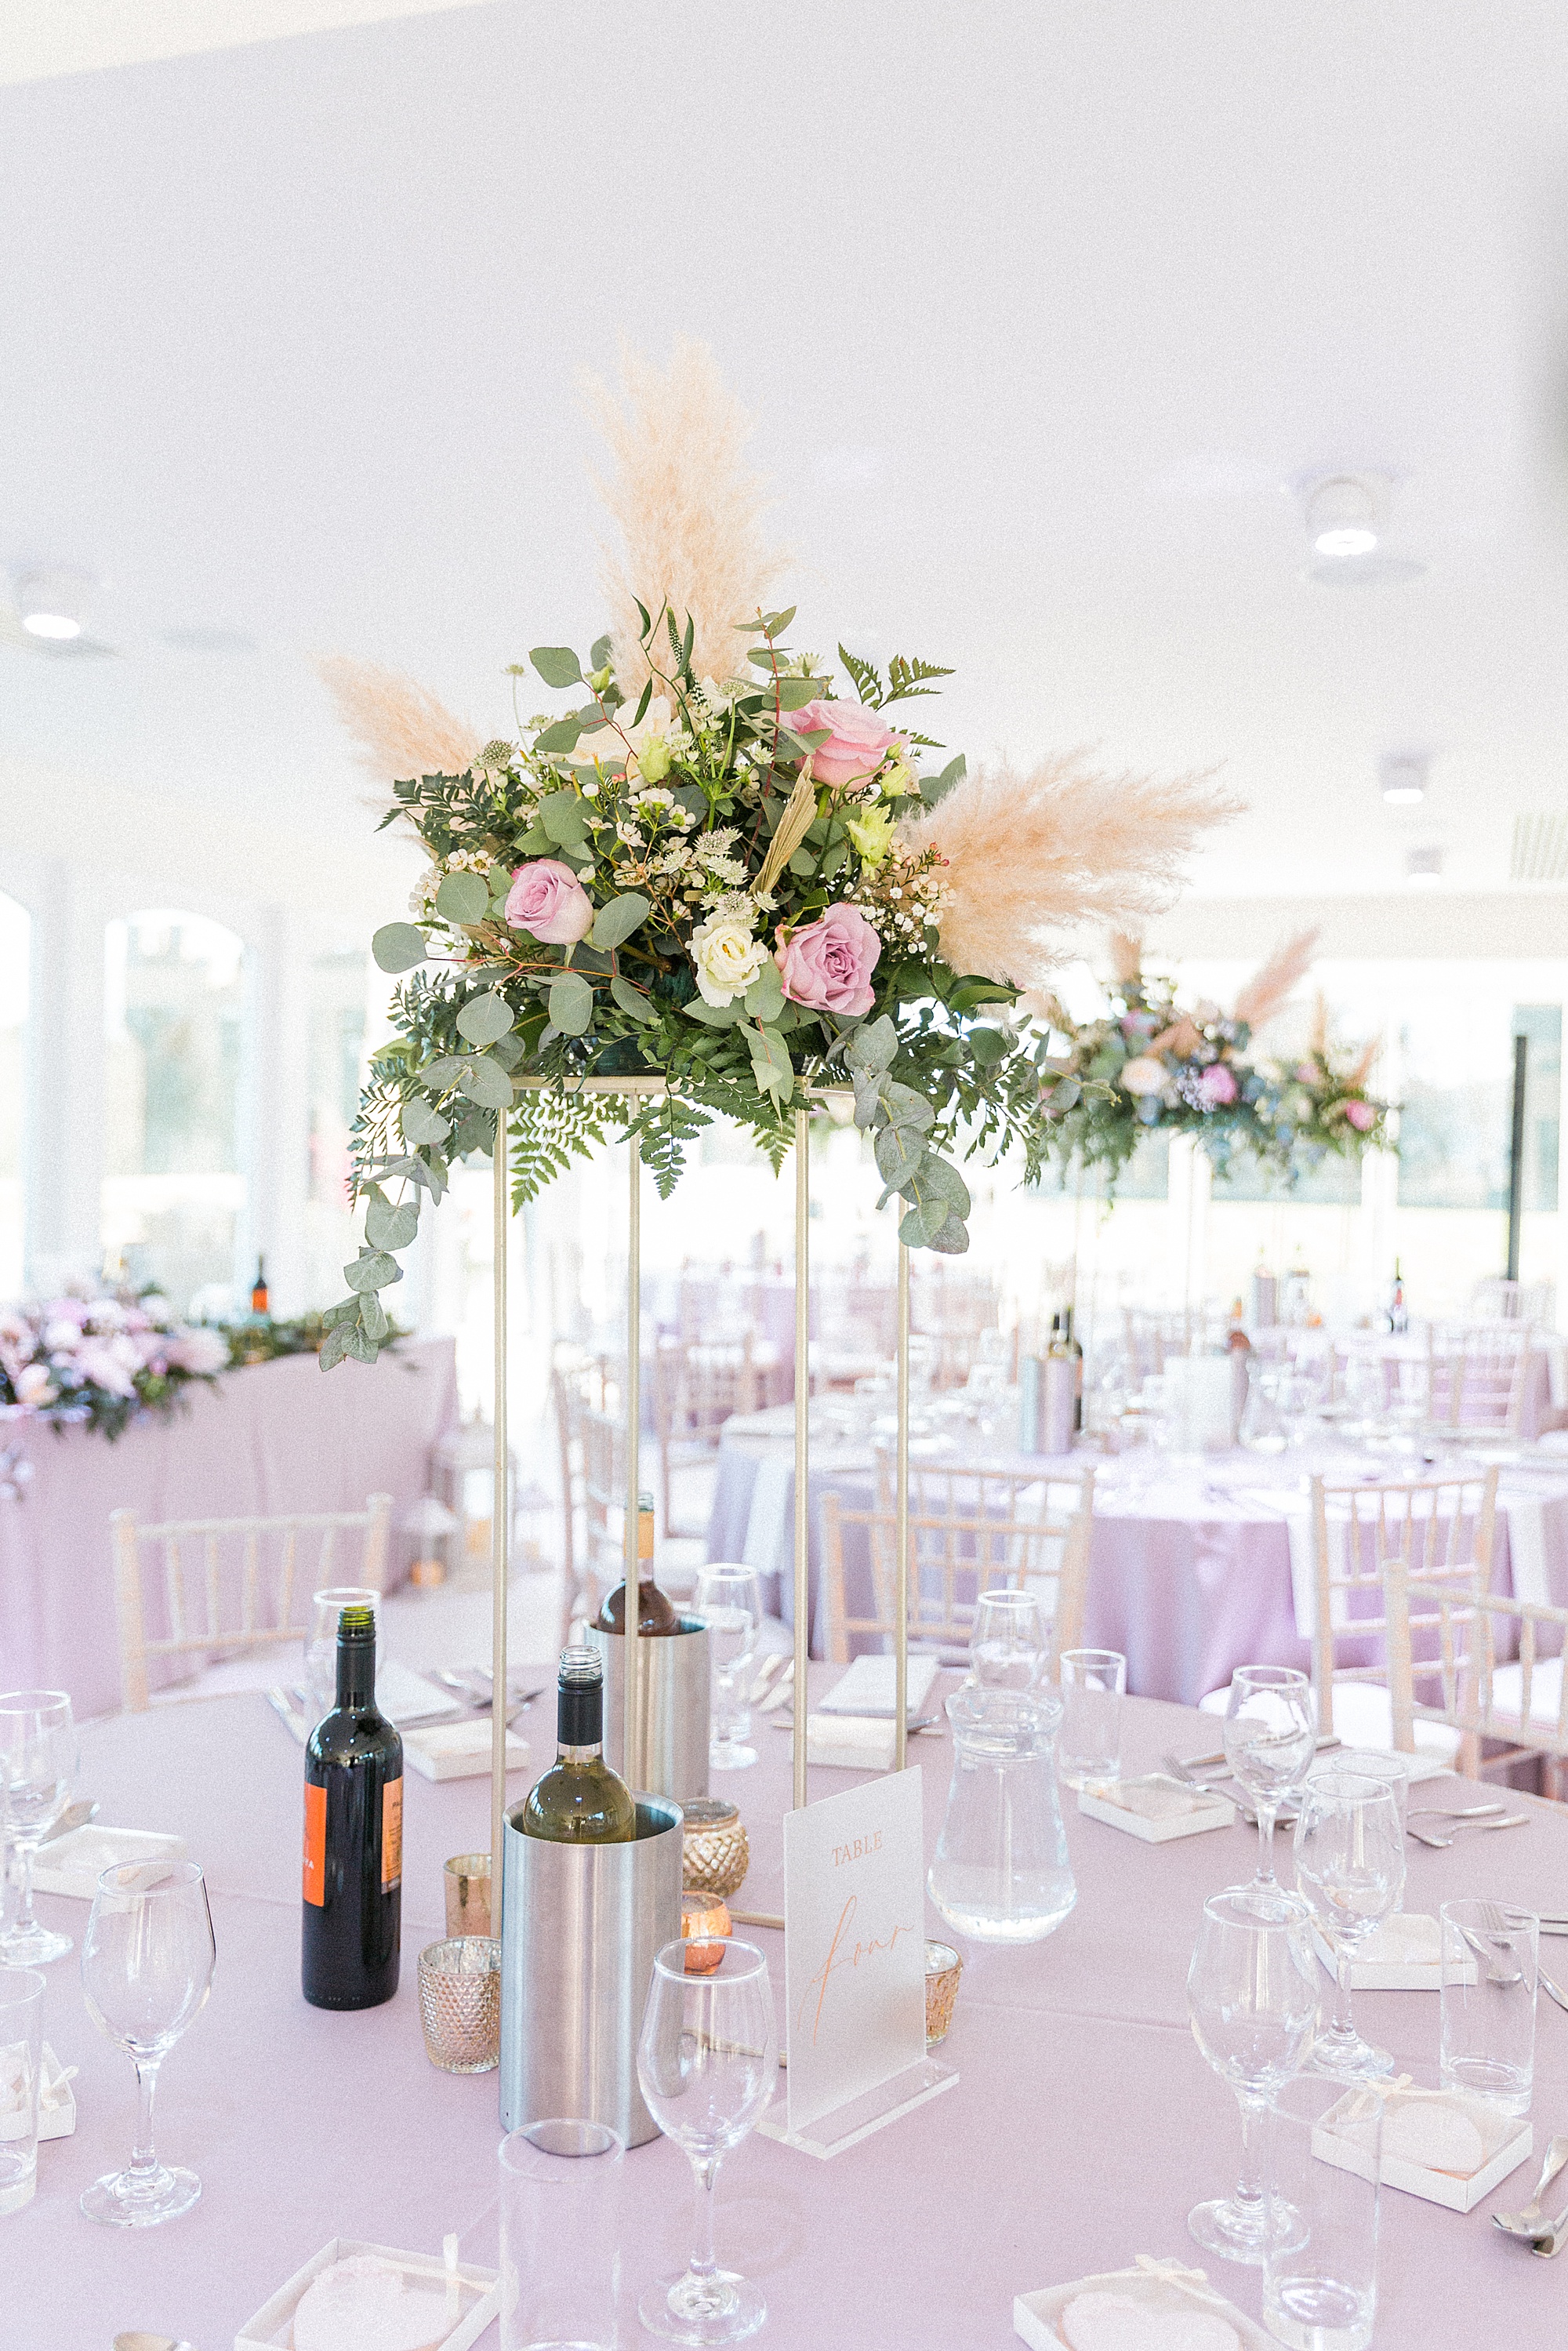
column 1000, row 1871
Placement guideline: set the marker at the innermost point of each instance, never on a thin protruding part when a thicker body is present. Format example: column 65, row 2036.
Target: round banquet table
column 1083, row 2126
column 1195, row 1567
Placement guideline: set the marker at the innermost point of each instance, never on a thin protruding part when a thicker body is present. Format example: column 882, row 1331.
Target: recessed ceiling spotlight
column 1344, row 515
column 51, row 603
column 1423, row 867
column 1403, row 776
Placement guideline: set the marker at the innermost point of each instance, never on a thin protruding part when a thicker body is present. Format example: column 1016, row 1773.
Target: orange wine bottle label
column 315, row 1844
column 392, row 1833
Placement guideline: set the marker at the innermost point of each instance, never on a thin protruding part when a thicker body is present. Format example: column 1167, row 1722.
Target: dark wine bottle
column 655, row 1615
column 579, row 1800
column 353, row 1836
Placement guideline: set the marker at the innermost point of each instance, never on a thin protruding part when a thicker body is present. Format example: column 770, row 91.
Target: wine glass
column 321, row 1649
column 1350, row 1870
column 147, row 1963
column 1251, row 1993
column 38, row 1765
column 730, row 1604
column 1271, row 1739
column 1009, row 1642
column 708, row 2062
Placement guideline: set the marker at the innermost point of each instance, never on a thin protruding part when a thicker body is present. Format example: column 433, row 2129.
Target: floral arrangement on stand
column 724, row 867
column 1151, row 1065
column 102, row 1362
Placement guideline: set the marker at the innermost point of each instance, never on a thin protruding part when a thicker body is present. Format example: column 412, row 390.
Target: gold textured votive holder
column 943, row 1970
column 460, row 2003
column 714, row 1852
column 468, row 1882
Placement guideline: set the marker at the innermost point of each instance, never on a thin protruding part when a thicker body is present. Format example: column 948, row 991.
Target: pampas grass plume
column 1031, row 856
column 399, row 729
column 1126, row 957
column 689, row 513
column 1271, row 983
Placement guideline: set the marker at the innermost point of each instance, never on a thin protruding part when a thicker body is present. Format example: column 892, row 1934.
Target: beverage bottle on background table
column 1398, row 1311
column 1265, row 1297
column 259, row 1293
column 1059, row 1392
column 656, row 1617
column 579, row 1800
column 1076, row 1352
column 353, row 1836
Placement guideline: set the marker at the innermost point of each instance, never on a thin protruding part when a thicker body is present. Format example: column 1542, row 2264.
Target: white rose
column 1143, row 1076
column 726, row 957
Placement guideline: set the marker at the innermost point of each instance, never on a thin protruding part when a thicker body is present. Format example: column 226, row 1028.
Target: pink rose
column 1218, row 1086
column 857, row 741
column 547, row 898
column 829, row 962
column 1360, row 1116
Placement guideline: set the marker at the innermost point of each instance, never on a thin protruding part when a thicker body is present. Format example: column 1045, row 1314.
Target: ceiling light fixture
column 1423, row 867
column 1403, row 776
column 51, row 603
column 1342, row 516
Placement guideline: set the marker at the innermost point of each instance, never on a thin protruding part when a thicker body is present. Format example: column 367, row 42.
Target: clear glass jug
column 1000, row 1871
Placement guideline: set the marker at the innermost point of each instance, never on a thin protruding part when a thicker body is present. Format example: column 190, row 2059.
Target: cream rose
column 1143, row 1076
column 727, row 957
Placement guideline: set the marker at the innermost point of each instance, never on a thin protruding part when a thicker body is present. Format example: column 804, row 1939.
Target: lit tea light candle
column 704, row 1922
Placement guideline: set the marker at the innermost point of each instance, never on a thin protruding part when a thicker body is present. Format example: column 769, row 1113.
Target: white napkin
column 1153, row 1798
column 867, row 1689
column 364, row 2305
column 1408, row 1939
column 852, row 1743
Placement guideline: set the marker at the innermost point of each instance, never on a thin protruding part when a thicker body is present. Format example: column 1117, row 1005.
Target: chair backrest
column 234, row 1584
column 1494, row 1299
column 1480, row 1372
column 969, row 1531
column 698, row 1385
column 1497, row 1671
column 1438, row 1529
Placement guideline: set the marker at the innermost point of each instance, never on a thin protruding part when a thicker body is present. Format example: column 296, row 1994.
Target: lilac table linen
column 272, row 1438
column 1084, row 2126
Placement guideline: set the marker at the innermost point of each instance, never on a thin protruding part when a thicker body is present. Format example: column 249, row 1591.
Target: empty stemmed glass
column 1271, row 1739
column 1009, row 1642
column 708, row 2062
column 147, row 1966
column 730, row 1604
column 1350, row 1871
column 1252, row 1996
column 37, row 1766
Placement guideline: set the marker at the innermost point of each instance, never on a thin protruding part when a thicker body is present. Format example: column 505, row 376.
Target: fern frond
column 867, row 678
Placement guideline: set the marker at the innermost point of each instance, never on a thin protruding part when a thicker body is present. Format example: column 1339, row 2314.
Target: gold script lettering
column 843, row 1954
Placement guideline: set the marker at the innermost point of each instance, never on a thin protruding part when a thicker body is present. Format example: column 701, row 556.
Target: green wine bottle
column 353, row 1836
column 579, row 1800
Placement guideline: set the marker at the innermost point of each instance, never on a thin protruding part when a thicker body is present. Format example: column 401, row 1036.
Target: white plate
column 72, row 1865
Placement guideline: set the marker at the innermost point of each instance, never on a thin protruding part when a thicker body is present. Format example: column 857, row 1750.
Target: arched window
column 174, row 1084
column 15, row 948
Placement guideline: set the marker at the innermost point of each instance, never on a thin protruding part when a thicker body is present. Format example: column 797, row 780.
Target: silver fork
column 1530, row 2221
column 1442, row 1843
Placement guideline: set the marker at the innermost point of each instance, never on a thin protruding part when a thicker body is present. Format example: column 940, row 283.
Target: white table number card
column 854, row 1965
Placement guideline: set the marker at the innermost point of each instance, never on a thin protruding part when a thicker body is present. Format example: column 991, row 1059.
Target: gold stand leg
column 802, row 1417
column 631, row 1756
column 500, row 1530
column 901, row 1505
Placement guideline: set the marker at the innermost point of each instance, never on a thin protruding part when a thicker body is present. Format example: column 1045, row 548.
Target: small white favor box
column 73, row 1865
column 1506, row 2143
column 1035, row 2315
column 1155, row 1808
column 459, row 1750
column 479, row 2296
column 1404, row 1954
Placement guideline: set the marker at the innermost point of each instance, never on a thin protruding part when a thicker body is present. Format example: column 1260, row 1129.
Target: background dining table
column 1083, row 2126
column 1197, row 1564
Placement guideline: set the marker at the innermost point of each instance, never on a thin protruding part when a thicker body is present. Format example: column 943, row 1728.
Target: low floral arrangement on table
column 725, row 867
column 1150, row 1065
column 100, row 1362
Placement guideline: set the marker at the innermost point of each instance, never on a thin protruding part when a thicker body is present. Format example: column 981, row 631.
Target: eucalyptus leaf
column 387, row 1227
column 372, row 1270
column 919, row 1227
column 345, row 1307
column 561, row 737
column 484, row 1081
column 632, row 1000
column 570, row 1005
column 937, row 788
column 557, row 665
column 335, row 1345
column 462, row 897
column 600, row 652
column 765, row 997
column 714, row 1016
column 794, row 692
column 939, row 1180
column 870, row 1087
column 508, row 1050
column 484, row 1019
column 614, row 924
column 476, row 1131
column 358, row 1344
column 560, row 813
column 906, row 1108
column 535, row 842
column 898, row 1156
column 873, row 1046
column 374, row 1319
column 1063, row 1095
column 988, row 1046
column 770, row 1064
column 398, row 946
column 443, row 1072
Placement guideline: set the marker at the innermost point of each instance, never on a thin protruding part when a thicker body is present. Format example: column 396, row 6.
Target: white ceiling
column 1036, row 306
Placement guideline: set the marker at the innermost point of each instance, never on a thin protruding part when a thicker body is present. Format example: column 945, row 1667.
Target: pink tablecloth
column 273, row 1438
column 1083, row 2126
